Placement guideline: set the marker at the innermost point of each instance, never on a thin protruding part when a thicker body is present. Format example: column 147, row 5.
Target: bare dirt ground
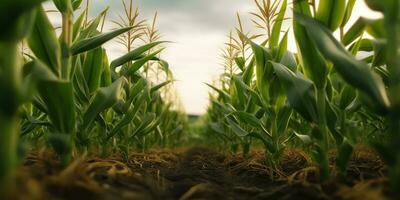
column 197, row 173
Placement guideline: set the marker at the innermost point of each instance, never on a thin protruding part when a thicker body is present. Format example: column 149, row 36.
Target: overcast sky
column 198, row 29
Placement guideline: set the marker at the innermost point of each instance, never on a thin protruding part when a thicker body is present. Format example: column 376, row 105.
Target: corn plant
column 380, row 91
column 61, row 58
column 309, row 97
column 106, row 105
column 18, row 17
column 303, row 81
column 230, row 99
column 258, row 109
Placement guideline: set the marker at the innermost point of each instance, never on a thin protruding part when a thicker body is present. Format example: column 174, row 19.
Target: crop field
column 321, row 122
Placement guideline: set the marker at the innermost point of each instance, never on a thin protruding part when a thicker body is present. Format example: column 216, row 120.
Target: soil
column 197, row 173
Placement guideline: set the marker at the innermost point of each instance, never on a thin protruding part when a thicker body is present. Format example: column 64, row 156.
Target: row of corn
column 60, row 91
column 340, row 89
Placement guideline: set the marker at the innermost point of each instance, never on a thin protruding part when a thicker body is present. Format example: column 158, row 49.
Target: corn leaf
column 248, row 119
column 92, row 27
column 133, row 68
column 106, row 77
column 128, row 117
column 96, row 41
column 355, row 31
column 300, row 92
column 283, row 115
column 44, row 44
column 77, row 27
column 59, row 100
column 263, row 69
column 15, row 17
column 289, row 60
column 93, row 68
column 104, row 98
column 161, row 85
column 276, row 29
column 356, row 73
column 133, row 55
column 63, row 5
column 311, row 60
column 76, row 4
column 236, row 128
column 349, row 11
column 331, row 13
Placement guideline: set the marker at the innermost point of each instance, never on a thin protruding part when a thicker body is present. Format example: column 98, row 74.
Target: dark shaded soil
column 197, row 173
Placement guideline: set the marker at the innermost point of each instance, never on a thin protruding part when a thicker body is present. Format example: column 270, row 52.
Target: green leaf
column 376, row 28
column 133, row 68
column 77, row 27
column 60, row 104
column 62, row 145
column 345, row 151
column 355, row 31
column 104, row 98
column 366, row 45
column 248, row 72
column 355, row 47
column 106, row 76
column 76, row 4
column 240, row 62
column 332, row 120
column 347, row 96
column 92, row 27
column 283, row 117
column 377, row 5
column 39, row 71
column 380, row 52
column 265, row 140
column 93, row 68
column 276, row 93
column 311, row 60
column 80, row 84
column 44, row 44
column 221, row 93
column 96, row 41
column 238, row 92
column 147, row 122
column 349, row 11
column 128, row 117
column 300, row 92
column 159, row 86
column 217, row 127
column 236, row 128
column 256, row 98
column 356, row 73
column 289, row 61
column 165, row 67
column 331, row 13
column 16, row 17
column 63, row 6
column 248, row 119
column 134, row 55
column 263, row 69
column 139, row 86
column 276, row 29
column 282, row 49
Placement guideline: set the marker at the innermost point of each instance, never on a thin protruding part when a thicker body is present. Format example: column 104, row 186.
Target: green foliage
column 326, row 97
column 76, row 100
column 322, row 96
column 96, row 41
